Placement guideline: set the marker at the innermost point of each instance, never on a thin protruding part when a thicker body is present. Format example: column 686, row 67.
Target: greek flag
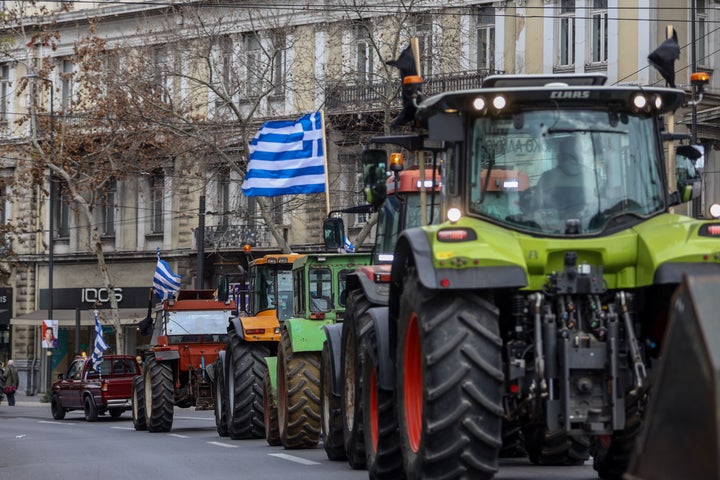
column 287, row 158
column 165, row 282
column 100, row 345
column 348, row 246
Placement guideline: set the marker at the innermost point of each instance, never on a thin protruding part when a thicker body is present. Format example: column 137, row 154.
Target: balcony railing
column 233, row 236
column 374, row 95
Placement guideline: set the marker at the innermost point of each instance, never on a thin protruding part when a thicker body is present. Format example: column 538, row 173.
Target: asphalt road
column 34, row 446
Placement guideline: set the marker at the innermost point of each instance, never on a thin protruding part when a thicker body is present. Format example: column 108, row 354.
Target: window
column 226, row 64
column 253, row 66
column 364, row 56
column 66, row 89
column 278, row 65
column 5, row 95
column 599, row 42
column 224, row 197
column 701, row 32
column 107, row 200
column 162, row 68
column 423, row 31
column 566, row 54
column 157, row 188
column 486, row 38
column 62, row 211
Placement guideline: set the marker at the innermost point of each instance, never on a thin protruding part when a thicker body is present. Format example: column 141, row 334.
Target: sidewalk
column 23, row 400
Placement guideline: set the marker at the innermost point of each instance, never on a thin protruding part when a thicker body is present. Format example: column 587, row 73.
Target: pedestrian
column 12, row 382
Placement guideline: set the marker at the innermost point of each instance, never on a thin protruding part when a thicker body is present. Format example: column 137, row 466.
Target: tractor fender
column 376, row 293
column 414, row 245
column 210, row 369
column 306, row 335
column 333, row 337
column 236, row 324
column 166, row 355
column 271, row 363
column 381, row 325
column 673, row 273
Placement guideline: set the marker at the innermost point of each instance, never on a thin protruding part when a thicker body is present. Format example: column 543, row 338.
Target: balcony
column 235, row 236
column 372, row 96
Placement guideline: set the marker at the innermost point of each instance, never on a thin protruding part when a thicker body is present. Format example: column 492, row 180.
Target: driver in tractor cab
column 564, row 188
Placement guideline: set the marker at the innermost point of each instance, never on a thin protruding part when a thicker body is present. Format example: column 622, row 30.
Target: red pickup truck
column 83, row 388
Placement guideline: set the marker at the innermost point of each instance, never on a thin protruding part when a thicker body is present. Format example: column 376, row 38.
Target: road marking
column 55, row 423
column 293, row 458
column 123, row 428
column 177, row 435
column 220, row 444
column 198, row 418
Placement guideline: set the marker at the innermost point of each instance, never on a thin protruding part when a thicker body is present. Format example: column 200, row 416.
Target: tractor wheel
column 298, row 395
column 159, row 396
column 611, row 453
column 56, row 408
column 513, row 441
column 545, row 447
column 221, row 423
column 382, row 438
column 243, row 387
column 331, row 409
column 91, row 413
column 354, row 325
column 449, row 383
column 138, row 403
column 272, row 429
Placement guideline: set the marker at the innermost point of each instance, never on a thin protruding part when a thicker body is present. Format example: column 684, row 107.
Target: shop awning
column 66, row 318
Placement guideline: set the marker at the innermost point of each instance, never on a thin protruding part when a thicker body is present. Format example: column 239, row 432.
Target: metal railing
column 374, row 95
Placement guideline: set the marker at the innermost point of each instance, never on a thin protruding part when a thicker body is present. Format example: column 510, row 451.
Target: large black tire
column 243, row 387
column 56, row 408
column 545, row 447
column 449, row 382
column 331, row 430
column 272, row 428
column 298, row 393
column 91, row 413
column 159, row 396
column 354, row 326
column 382, row 438
column 221, row 423
column 138, row 403
column 611, row 454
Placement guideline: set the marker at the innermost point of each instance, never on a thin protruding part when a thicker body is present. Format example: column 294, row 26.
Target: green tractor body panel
column 307, row 335
column 272, row 371
column 630, row 258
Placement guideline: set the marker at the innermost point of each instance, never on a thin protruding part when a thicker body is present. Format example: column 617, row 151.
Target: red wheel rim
column 413, row 383
column 373, row 410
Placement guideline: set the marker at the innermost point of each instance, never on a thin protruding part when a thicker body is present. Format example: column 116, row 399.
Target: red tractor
column 189, row 331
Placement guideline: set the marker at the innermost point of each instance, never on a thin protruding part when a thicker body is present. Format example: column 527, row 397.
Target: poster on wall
column 49, row 333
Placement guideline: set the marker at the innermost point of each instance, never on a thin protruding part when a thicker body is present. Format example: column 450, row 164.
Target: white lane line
column 55, row 423
column 205, row 419
column 293, row 458
column 220, row 444
column 177, row 435
column 123, row 428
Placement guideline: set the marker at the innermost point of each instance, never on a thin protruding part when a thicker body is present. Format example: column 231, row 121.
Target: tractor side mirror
column 223, row 294
column 374, row 163
column 334, row 233
column 689, row 185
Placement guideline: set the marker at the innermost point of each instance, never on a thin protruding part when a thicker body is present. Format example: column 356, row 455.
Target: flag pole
column 325, row 163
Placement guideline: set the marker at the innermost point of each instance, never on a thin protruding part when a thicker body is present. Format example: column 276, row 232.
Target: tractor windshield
column 197, row 326
column 565, row 172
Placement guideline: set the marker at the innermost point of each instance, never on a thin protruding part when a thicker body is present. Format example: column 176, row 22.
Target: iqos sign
column 101, row 295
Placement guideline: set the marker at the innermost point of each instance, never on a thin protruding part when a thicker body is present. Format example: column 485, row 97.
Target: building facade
column 193, row 83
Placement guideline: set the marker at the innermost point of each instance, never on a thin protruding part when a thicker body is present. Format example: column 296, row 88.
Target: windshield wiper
column 585, row 130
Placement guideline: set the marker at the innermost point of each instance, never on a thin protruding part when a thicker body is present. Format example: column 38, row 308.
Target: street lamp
column 51, row 213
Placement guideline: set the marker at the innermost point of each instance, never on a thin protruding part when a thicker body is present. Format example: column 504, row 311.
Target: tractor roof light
column 639, row 101
column 658, row 103
column 479, row 104
column 247, row 248
column 499, row 102
column 397, row 162
column 454, row 214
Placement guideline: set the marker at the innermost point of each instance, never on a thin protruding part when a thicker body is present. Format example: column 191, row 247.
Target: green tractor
column 541, row 301
column 292, row 383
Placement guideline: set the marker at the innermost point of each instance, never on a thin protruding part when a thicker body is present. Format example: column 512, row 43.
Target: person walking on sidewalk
column 12, row 382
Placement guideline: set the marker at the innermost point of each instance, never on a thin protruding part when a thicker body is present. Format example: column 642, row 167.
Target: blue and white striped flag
column 165, row 281
column 100, row 345
column 287, row 158
column 348, row 246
